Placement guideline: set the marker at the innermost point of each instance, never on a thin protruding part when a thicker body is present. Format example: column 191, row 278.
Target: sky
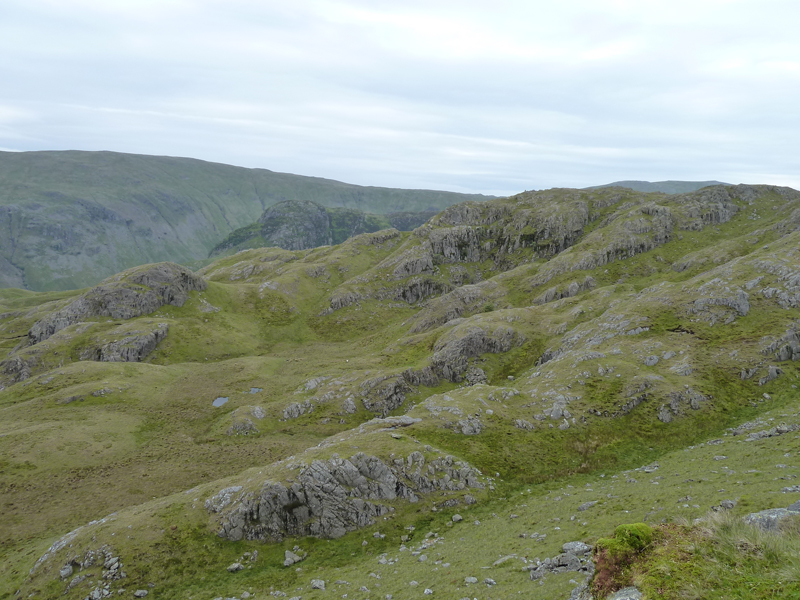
column 464, row 95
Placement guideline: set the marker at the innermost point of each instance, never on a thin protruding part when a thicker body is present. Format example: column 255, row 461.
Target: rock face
column 130, row 294
column 330, row 498
column 132, row 348
column 383, row 394
column 453, row 351
column 296, row 225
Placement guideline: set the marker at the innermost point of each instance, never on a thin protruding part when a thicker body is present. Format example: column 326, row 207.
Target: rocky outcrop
column 785, row 348
column 331, row 497
column 570, row 290
column 453, row 351
column 16, row 369
column 132, row 293
column 132, row 348
column 382, row 395
column 296, row 225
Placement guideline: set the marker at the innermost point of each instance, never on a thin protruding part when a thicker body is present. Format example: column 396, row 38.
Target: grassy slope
column 153, row 432
column 70, row 219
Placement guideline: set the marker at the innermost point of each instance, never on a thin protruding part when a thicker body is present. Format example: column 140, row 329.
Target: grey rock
column 470, row 580
column 132, row 293
column 773, row 373
column 382, row 395
column 576, row 548
column 233, row 568
column 470, row 425
column 651, row 361
column 587, row 505
column 317, row 584
column 290, row 558
column 728, row 504
column 489, row 581
column 140, row 593
column 330, row 498
column 133, row 348
column 65, row 571
column 296, row 410
column 769, row 520
column 453, row 350
column 628, row 593
column 457, row 518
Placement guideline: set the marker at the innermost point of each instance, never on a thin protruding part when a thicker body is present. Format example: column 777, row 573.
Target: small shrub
column 613, row 557
column 488, row 307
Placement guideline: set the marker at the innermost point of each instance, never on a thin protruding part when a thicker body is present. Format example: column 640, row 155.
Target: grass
column 150, row 431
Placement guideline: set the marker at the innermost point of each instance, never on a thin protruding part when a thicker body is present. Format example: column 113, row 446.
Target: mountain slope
column 69, row 219
column 514, row 375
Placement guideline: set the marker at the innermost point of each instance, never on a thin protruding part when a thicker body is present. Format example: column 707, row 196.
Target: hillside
column 464, row 410
column 70, row 219
column 300, row 225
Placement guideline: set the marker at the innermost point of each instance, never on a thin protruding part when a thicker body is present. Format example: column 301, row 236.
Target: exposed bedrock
column 133, row 348
column 331, row 497
column 132, row 293
column 453, row 351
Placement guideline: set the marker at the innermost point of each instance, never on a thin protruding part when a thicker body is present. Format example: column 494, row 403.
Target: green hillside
column 486, row 407
column 70, row 219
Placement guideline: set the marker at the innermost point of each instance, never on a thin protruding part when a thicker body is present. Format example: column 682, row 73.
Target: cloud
column 457, row 95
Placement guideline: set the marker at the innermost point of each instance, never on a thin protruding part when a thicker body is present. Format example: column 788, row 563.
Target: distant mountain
column 665, row 187
column 70, row 219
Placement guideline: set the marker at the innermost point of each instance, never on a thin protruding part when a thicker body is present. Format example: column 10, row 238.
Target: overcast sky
column 465, row 95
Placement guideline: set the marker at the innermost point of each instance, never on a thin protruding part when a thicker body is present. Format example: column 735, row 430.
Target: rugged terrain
column 302, row 224
column 435, row 412
column 70, row 219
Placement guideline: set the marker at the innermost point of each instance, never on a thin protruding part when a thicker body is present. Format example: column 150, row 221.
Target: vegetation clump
column 615, row 556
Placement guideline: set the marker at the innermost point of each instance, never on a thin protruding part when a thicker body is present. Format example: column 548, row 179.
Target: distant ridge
column 70, row 219
column 665, row 187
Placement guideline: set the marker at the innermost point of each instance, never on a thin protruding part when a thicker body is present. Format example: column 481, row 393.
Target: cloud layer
column 461, row 95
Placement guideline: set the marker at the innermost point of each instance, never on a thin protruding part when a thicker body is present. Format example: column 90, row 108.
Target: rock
column 769, row 520
column 470, row 426
column 133, row 348
column 235, row 567
column 773, row 373
column 628, row 593
column 317, row 584
column 651, row 361
column 576, row 548
column 728, row 504
column 428, row 591
column 132, row 293
column 453, row 350
column 290, row 558
column 489, row 581
column 587, row 505
column 295, row 409
column 330, row 498
column 470, row 580
column 384, row 394
column 457, row 518
column 140, row 593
